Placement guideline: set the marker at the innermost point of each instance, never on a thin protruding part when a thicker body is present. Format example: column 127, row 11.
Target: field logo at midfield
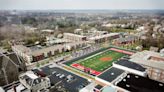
column 122, row 51
column 106, row 59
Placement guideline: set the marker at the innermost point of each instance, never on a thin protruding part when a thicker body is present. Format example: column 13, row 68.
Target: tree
column 38, row 64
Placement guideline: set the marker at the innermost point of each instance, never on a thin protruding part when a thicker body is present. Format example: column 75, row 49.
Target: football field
column 96, row 63
column 100, row 61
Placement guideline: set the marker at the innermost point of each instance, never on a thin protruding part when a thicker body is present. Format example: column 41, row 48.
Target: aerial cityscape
column 81, row 46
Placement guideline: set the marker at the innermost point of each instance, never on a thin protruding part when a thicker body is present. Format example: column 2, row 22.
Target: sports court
column 97, row 63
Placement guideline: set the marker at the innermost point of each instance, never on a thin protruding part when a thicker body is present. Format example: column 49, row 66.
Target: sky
column 80, row 4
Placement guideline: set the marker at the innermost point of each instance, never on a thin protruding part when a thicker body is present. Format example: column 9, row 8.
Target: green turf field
column 95, row 61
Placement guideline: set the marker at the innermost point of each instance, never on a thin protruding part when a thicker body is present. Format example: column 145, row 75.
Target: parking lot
column 62, row 79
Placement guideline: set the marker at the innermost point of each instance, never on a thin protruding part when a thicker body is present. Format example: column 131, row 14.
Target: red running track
column 122, row 51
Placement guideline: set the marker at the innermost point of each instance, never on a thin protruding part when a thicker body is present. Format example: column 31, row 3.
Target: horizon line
column 74, row 9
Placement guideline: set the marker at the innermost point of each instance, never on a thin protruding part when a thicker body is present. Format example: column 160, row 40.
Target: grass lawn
column 100, row 61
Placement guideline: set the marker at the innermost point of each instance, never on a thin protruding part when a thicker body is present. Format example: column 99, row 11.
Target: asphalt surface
column 73, row 86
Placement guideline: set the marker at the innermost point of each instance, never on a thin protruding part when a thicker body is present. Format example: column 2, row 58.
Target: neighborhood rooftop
column 148, row 58
column 71, row 34
column 130, row 64
column 111, row 74
column 103, row 36
column 135, row 83
column 52, row 73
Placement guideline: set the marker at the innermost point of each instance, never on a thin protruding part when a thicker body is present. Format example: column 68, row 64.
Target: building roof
column 53, row 48
column 88, row 87
column 23, row 49
column 3, row 50
column 10, row 57
column 126, row 39
column 76, row 35
column 98, row 87
column 155, row 49
column 47, row 30
column 162, row 51
column 0, row 62
column 14, row 58
column 31, row 78
column 1, row 89
column 31, row 75
column 145, row 58
column 18, row 87
column 111, row 74
column 109, row 89
column 130, row 64
column 73, row 86
column 103, row 36
column 135, row 83
column 38, row 50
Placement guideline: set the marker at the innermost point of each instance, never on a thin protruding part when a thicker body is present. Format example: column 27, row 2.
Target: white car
column 53, row 72
column 58, row 74
column 61, row 76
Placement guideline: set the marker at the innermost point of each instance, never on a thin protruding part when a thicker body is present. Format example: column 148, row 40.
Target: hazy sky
column 81, row 4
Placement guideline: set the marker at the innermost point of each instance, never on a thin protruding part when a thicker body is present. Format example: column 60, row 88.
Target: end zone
column 85, row 69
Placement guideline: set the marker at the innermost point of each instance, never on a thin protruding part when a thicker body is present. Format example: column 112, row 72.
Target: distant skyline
column 80, row 4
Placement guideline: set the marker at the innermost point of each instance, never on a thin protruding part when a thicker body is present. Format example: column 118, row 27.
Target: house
column 34, row 82
column 78, row 31
column 155, row 49
column 125, row 40
column 141, row 28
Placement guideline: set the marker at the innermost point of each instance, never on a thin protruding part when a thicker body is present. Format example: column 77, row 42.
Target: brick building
column 154, row 63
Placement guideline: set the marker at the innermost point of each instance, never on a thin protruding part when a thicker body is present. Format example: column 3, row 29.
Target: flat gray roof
column 111, row 74
column 130, row 64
